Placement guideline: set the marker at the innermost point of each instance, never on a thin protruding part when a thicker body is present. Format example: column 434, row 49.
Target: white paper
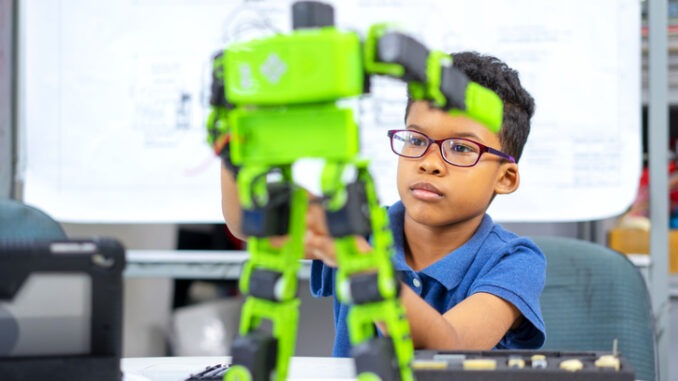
column 113, row 100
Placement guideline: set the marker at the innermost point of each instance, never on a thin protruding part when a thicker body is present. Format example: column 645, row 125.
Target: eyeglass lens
column 455, row 151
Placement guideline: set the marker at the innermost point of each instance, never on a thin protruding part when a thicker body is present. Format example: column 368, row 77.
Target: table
column 192, row 264
column 180, row 368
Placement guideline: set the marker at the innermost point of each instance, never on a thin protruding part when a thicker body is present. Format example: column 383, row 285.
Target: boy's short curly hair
column 494, row 74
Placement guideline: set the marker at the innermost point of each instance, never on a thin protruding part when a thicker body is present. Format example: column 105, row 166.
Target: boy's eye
column 417, row 141
column 462, row 147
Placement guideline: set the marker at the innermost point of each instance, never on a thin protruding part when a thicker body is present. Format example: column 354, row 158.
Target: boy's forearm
column 428, row 327
column 230, row 204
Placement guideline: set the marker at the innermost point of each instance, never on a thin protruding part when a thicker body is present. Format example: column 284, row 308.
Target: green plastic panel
column 312, row 65
column 286, row 134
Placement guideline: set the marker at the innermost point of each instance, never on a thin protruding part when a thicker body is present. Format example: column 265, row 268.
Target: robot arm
column 430, row 75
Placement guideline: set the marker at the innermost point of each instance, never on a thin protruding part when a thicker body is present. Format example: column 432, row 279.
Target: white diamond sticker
column 273, row 68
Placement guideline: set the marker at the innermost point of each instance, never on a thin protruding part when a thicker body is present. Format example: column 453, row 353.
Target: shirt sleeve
column 518, row 277
column 322, row 279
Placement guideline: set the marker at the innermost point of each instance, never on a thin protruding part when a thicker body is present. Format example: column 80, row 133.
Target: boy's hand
column 318, row 242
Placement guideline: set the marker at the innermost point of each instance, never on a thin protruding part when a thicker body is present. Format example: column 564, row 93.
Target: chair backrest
column 19, row 221
column 594, row 295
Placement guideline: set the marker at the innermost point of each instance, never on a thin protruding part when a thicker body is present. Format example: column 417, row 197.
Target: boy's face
column 436, row 193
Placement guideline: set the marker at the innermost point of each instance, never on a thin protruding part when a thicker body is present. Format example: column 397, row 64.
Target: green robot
column 274, row 101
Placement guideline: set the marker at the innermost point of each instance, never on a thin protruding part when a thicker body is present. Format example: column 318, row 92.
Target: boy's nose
column 432, row 161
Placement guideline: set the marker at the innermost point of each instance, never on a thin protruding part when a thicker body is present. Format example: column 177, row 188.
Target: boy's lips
column 425, row 191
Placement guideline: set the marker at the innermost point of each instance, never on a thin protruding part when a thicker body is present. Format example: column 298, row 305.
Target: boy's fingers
column 320, row 247
column 315, row 219
column 320, row 242
column 362, row 244
column 278, row 241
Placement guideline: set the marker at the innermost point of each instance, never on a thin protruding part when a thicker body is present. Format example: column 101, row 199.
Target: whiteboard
column 113, row 98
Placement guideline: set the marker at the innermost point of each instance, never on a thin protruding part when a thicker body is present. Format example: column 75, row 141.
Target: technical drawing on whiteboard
column 124, row 96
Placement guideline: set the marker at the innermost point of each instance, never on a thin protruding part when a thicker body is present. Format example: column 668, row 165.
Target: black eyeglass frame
column 439, row 142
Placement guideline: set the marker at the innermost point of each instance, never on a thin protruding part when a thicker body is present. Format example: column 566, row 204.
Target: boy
column 470, row 283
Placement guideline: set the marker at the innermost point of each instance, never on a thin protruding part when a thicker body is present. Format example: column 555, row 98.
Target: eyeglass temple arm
column 430, row 75
column 501, row 154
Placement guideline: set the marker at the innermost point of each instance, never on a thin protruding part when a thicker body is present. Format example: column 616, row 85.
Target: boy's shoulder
column 495, row 238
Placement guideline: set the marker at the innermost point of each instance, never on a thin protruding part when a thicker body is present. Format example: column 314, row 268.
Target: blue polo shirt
column 494, row 261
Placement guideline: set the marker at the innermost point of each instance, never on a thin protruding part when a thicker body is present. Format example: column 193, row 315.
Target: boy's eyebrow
column 467, row 135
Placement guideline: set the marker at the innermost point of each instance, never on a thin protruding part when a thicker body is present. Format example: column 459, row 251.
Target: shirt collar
column 449, row 270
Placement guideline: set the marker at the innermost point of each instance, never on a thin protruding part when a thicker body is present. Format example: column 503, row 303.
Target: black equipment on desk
column 521, row 365
column 61, row 309
column 210, row 373
column 498, row 365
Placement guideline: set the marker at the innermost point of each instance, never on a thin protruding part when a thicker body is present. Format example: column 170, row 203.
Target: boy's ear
column 509, row 179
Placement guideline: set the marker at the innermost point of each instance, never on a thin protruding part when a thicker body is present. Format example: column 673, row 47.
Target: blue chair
column 19, row 221
column 594, row 295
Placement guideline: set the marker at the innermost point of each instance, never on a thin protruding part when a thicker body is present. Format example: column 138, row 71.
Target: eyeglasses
column 460, row 152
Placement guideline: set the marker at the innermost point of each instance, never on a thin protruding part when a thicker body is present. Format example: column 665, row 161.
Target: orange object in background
column 637, row 241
